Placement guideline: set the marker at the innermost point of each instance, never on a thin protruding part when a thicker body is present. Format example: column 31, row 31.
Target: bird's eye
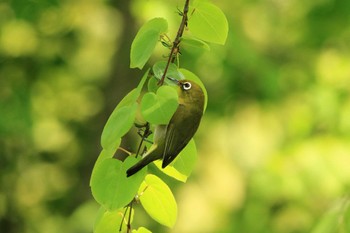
column 186, row 86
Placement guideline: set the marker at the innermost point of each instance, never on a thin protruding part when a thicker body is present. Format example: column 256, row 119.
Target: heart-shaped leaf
column 207, row 22
column 158, row 200
column 110, row 186
column 181, row 168
column 141, row 230
column 152, row 85
column 122, row 118
column 193, row 45
column 145, row 41
column 105, row 154
column 109, row 221
column 172, row 72
column 159, row 108
column 118, row 124
column 171, row 171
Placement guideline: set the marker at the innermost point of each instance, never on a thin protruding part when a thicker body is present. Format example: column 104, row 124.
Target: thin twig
column 123, row 217
column 129, row 218
column 175, row 48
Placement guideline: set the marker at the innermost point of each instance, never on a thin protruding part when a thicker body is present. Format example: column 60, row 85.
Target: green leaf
column 122, row 118
column 208, row 22
column 145, row 41
column 141, row 230
column 171, row 171
column 193, row 45
column 187, row 159
column 142, row 82
column 109, row 221
column 118, row 124
column 152, row 85
column 105, row 154
column 110, row 186
column 181, row 168
column 158, row 200
column 191, row 76
column 158, row 108
column 173, row 72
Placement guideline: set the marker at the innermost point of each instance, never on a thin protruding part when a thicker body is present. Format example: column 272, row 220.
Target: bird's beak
column 174, row 80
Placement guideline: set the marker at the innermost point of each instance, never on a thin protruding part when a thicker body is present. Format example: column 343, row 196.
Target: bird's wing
column 177, row 137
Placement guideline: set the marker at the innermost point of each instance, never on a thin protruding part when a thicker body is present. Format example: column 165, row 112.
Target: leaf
column 118, row 124
column 187, row 159
column 208, row 22
column 109, row 221
column 193, row 45
column 158, row 108
column 110, row 186
column 191, row 76
column 152, row 85
column 181, row 168
column 141, row 230
column 173, row 72
column 145, row 41
column 105, row 154
column 158, row 200
column 171, row 171
column 122, row 118
column 142, row 82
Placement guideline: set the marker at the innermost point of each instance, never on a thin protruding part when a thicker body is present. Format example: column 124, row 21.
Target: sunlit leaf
column 122, row 118
column 142, row 82
column 187, row 159
column 141, row 230
column 171, row 171
column 158, row 200
column 104, row 154
column 152, row 85
column 181, row 168
column 133, row 95
column 207, row 22
column 193, row 45
column 191, row 76
column 110, row 221
column 172, row 72
column 110, row 186
column 145, row 41
column 158, row 108
column 118, row 124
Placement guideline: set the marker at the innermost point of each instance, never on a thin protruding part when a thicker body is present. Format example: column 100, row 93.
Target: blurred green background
column 274, row 145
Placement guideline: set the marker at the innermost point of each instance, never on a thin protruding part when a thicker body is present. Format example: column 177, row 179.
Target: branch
column 175, row 48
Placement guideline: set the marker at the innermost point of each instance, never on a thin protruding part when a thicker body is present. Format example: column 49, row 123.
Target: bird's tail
column 139, row 165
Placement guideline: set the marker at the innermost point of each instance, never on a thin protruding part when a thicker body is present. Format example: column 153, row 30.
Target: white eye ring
column 186, row 86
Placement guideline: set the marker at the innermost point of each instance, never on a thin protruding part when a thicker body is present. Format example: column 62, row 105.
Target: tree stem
column 175, row 48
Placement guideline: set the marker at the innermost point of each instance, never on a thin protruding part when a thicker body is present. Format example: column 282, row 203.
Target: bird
column 171, row 138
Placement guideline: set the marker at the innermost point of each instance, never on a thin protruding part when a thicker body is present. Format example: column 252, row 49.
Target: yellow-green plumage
column 170, row 139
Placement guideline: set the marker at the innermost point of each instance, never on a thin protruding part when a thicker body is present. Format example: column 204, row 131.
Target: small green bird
column 169, row 140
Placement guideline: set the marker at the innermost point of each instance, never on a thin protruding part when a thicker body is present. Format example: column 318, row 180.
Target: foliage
column 273, row 147
column 109, row 184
